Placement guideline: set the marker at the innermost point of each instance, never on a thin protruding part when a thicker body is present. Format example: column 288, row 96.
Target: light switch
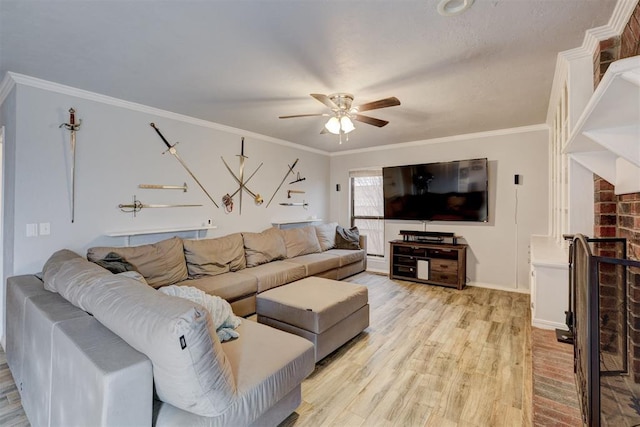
column 45, row 228
column 32, row 230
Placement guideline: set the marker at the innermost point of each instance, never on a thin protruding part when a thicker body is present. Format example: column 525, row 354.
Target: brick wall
column 618, row 216
column 623, row 46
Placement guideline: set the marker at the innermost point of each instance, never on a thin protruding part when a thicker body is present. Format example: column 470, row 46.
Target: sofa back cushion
column 190, row 369
column 161, row 263
column 210, row 257
column 260, row 248
column 326, row 234
column 301, row 241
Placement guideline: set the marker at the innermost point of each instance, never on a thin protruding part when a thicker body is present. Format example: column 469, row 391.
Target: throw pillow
column 326, row 234
column 161, row 263
column 115, row 263
column 210, row 257
column 301, row 241
column 347, row 238
column 261, row 248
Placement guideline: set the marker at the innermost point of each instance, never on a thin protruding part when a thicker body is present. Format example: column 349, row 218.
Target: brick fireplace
column 618, row 216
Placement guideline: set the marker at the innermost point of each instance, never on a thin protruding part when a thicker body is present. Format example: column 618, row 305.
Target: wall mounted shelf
column 293, row 223
column 129, row 233
column 606, row 138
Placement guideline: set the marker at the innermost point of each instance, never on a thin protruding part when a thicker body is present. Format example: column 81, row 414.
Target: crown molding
column 619, row 17
column 6, row 86
column 11, row 79
column 454, row 138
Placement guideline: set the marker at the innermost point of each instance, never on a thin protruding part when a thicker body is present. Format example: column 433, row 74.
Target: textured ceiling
column 244, row 63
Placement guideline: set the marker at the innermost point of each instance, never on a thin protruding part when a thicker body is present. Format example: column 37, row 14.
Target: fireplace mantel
column 606, row 138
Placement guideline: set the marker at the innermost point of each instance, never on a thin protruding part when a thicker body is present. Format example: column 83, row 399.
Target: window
column 367, row 208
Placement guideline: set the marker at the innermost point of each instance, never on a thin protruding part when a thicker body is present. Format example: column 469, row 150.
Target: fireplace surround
column 608, row 391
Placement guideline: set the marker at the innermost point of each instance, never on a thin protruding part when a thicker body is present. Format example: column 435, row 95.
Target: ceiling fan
column 342, row 113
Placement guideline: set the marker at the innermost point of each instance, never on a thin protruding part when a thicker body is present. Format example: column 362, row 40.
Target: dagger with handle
column 172, row 149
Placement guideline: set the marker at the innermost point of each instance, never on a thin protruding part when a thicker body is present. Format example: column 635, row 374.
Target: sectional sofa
column 90, row 347
column 238, row 266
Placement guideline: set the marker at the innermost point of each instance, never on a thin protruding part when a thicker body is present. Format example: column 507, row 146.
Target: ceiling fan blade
column 325, row 100
column 323, row 131
column 303, row 115
column 370, row 120
column 381, row 103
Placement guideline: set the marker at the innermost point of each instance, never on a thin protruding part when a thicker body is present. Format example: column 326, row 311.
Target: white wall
column 498, row 250
column 116, row 151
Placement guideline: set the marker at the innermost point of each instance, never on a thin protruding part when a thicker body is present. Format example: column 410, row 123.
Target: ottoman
column 326, row 312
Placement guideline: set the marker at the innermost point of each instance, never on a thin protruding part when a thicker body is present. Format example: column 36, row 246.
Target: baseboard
column 547, row 324
column 498, row 287
column 377, row 271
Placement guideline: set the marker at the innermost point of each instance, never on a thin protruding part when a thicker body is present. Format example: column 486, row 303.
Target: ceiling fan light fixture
column 346, row 124
column 453, row 7
column 333, row 125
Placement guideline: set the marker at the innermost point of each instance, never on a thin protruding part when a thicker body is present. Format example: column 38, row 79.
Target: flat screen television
column 448, row 191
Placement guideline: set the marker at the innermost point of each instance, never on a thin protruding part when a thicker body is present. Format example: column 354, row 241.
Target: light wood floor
column 432, row 356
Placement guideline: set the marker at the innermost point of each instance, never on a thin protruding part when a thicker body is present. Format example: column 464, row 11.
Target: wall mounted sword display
column 172, row 149
column 228, row 198
column 137, row 206
column 283, row 180
column 73, row 127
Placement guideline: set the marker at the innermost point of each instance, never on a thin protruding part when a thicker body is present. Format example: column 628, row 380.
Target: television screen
column 451, row 191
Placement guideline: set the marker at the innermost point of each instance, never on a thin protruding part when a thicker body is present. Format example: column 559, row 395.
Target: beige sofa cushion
column 190, row 369
column 161, row 263
column 301, row 241
column 326, row 234
column 317, row 263
column 210, row 257
column 260, row 248
column 276, row 274
column 230, row 286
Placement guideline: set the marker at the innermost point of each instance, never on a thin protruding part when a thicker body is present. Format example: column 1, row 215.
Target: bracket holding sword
column 227, row 199
column 172, row 149
column 73, row 127
column 137, row 206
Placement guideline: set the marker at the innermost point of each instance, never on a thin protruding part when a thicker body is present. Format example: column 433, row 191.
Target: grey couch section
column 73, row 371
column 70, row 369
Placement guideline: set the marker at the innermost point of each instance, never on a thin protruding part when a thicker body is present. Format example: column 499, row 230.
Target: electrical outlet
column 45, row 228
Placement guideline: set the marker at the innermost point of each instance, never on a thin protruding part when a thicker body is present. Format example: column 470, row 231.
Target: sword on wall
column 137, row 206
column 283, row 179
column 172, row 149
column 73, row 127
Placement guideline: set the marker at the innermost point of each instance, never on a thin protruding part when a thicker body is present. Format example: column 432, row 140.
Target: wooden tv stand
column 433, row 263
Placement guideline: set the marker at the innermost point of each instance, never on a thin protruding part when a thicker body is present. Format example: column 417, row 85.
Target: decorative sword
column 137, row 206
column 182, row 187
column 73, row 127
column 283, row 179
column 172, row 149
column 256, row 197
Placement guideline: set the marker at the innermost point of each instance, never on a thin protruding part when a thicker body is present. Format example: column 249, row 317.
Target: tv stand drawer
column 444, row 266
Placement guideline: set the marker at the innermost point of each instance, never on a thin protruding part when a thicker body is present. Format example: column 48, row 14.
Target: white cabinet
column 549, row 283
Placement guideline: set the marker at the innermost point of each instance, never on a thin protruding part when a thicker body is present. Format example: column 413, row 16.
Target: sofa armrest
column 363, row 245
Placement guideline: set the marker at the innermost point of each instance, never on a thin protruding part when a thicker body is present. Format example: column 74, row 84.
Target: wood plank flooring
column 432, row 356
